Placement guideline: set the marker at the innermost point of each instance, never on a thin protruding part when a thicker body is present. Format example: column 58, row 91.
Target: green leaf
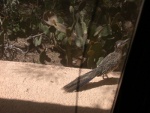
column 78, row 30
column 84, row 27
column 105, row 31
column 37, row 41
column 79, row 42
column 44, row 28
column 98, row 29
column 71, row 9
column 61, row 36
column 99, row 60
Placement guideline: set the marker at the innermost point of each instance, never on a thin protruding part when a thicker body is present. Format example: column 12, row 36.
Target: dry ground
column 36, row 88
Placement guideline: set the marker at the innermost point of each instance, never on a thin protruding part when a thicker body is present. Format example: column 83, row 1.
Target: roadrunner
column 108, row 64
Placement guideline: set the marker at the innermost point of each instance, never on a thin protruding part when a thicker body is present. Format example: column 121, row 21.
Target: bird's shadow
column 108, row 81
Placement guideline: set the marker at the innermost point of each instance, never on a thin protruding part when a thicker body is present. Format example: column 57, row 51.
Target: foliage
column 87, row 28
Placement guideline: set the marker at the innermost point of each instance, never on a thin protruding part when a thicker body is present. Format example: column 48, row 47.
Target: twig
column 8, row 46
column 35, row 36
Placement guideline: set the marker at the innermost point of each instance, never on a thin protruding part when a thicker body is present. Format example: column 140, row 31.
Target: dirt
column 34, row 55
column 32, row 88
column 47, row 53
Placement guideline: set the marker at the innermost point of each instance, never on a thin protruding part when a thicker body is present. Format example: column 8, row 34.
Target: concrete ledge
column 35, row 88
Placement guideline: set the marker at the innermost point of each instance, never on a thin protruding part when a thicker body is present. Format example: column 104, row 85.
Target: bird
column 108, row 64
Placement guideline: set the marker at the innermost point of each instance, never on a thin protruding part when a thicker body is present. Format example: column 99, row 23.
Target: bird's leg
column 104, row 76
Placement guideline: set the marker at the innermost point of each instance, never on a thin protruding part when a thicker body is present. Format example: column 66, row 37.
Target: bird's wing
column 109, row 63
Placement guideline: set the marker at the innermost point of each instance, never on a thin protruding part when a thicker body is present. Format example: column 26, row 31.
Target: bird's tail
column 79, row 81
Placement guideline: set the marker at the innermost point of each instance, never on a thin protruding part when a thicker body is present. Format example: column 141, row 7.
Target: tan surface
column 34, row 88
